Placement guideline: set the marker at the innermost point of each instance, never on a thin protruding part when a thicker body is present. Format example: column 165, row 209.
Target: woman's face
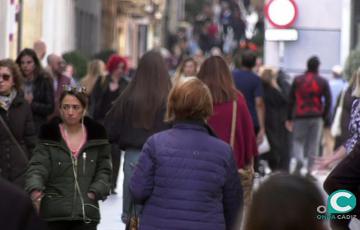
column 119, row 71
column 71, row 110
column 102, row 69
column 6, row 81
column 27, row 65
column 189, row 69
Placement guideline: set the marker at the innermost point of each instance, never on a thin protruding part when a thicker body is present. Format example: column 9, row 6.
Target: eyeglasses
column 67, row 107
column 5, row 76
column 69, row 88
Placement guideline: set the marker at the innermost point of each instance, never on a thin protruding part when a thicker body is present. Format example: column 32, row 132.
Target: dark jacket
column 188, row 180
column 16, row 209
column 52, row 168
column 42, row 104
column 276, row 104
column 306, row 98
column 101, row 98
column 19, row 120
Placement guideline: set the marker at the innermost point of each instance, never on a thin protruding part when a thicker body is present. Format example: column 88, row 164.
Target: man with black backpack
column 309, row 111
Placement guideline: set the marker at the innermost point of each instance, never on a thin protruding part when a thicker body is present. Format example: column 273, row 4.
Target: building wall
column 320, row 33
column 8, row 29
column 108, row 24
column 87, row 27
column 31, row 22
column 176, row 9
column 51, row 21
column 4, row 37
column 59, row 25
column 355, row 27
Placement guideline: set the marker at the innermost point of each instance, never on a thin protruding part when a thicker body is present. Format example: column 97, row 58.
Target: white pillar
column 345, row 30
column 8, row 26
column 49, row 25
column 59, row 25
column 4, row 37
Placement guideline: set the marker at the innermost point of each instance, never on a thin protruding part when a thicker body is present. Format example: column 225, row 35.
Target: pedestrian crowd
column 192, row 142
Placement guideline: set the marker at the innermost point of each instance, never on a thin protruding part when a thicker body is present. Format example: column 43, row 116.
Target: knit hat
column 114, row 61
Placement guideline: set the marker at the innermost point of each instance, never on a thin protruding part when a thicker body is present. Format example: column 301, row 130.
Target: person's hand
column 323, row 163
column 29, row 98
column 36, row 197
column 91, row 195
column 327, row 162
column 289, row 125
column 260, row 137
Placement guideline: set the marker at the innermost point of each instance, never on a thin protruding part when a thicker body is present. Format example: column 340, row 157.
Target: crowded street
column 179, row 115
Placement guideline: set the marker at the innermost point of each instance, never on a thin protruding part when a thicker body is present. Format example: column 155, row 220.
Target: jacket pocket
column 53, row 195
column 54, row 205
column 91, row 208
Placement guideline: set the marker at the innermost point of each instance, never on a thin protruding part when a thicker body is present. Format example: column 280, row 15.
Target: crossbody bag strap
column 342, row 96
column 233, row 124
column 13, row 139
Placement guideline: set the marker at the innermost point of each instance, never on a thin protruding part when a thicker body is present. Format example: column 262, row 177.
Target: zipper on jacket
column 84, row 162
column 75, row 169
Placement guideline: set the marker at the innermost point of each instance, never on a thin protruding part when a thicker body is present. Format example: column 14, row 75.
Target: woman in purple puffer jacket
column 187, row 178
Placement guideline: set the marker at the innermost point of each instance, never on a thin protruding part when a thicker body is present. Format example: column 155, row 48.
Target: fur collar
column 51, row 131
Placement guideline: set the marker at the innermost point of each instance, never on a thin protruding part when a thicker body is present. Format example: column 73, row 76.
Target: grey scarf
column 5, row 101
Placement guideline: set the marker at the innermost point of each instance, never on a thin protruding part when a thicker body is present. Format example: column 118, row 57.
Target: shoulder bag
column 246, row 173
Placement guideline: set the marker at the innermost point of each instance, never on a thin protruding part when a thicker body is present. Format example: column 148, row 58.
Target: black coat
column 43, row 102
column 101, row 99
column 122, row 132
column 276, row 105
column 19, row 120
column 16, row 210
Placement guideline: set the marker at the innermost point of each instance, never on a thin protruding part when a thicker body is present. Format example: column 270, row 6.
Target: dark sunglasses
column 69, row 88
column 5, row 76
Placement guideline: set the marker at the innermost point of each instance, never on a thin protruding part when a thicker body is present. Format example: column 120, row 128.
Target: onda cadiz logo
column 339, row 203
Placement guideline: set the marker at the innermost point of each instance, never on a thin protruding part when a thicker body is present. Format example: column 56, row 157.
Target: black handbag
column 133, row 221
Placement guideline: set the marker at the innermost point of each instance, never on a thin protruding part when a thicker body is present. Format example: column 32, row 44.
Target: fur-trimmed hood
column 51, row 130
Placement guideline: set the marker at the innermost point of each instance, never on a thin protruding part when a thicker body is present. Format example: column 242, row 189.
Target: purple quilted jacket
column 187, row 180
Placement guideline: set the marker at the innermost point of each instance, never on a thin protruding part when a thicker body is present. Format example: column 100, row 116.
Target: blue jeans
column 130, row 160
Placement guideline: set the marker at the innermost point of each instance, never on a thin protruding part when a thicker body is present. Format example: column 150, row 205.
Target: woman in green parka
column 71, row 167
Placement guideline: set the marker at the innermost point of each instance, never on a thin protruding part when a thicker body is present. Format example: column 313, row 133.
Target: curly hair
column 15, row 72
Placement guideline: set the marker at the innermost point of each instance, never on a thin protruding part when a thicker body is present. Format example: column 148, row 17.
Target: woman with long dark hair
column 37, row 87
column 215, row 73
column 137, row 114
